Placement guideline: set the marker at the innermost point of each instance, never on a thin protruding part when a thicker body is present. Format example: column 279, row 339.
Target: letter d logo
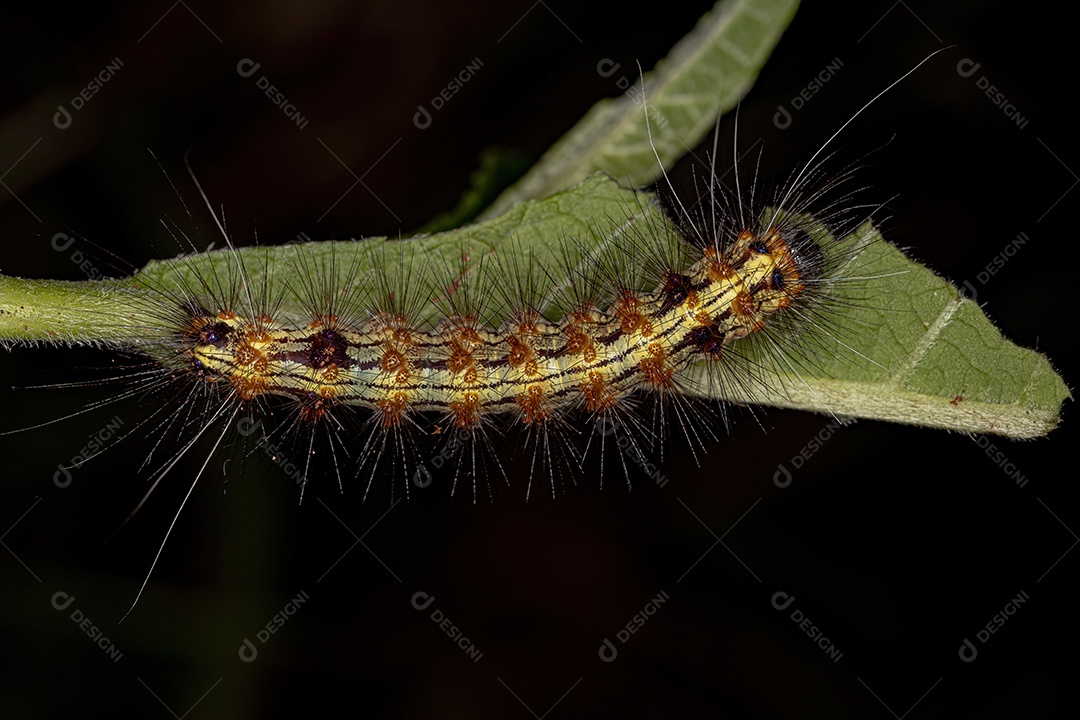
column 62, row 601
column 421, row 118
column 247, row 67
column 782, row 477
column 782, row 118
column 782, row 600
column 61, row 241
column 248, row 652
column 421, row 476
column 62, row 477
column 247, row 426
column 422, row 600
column 967, row 67
column 61, row 118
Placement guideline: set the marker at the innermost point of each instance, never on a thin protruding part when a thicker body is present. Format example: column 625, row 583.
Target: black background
column 897, row 542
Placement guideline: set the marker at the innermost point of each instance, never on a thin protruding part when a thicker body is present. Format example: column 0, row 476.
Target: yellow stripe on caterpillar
column 530, row 364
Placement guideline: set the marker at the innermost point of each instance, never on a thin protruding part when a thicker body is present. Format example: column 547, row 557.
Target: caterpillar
column 497, row 350
column 390, row 358
column 395, row 356
column 591, row 352
column 879, row 514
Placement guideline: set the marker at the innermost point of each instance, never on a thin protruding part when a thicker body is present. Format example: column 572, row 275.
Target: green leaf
column 926, row 356
column 905, row 360
column 706, row 73
column 128, row 312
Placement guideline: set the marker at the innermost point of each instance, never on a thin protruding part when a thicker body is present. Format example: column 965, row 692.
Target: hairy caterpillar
column 740, row 286
column 504, row 342
column 494, row 349
column 524, row 566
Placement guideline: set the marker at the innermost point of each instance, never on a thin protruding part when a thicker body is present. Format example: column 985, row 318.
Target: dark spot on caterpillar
column 708, row 339
column 675, row 290
column 759, row 247
column 778, row 281
column 328, row 348
column 215, row 334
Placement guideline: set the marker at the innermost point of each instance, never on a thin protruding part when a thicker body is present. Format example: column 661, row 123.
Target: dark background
column 898, row 542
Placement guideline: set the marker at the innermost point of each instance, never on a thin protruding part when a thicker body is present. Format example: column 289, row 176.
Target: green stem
column 64, row 312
